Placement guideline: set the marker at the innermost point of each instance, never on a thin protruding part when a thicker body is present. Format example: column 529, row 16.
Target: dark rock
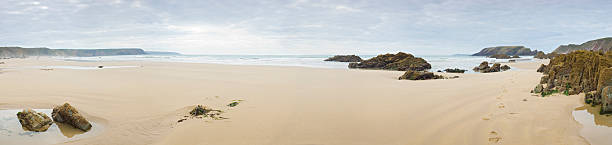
column 591, row 98
column 100, row 66
column 483, row 66
column 199, row 110
column 69, row 115
column 516, row 56
column 579, row 71
column 495, row 68
column 505, row 67
column 500, row 56
column 419, row 75
column 439, row 71
column 34, row 121
column 542, row 68
column 400, row 61
column 606, row 100
column 455, row 70
column 538, row 89
column 344, row 58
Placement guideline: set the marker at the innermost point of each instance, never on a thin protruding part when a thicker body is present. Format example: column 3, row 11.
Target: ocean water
column 438, row 62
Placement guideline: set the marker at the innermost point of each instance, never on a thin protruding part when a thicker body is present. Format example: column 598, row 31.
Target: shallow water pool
column 597, row 129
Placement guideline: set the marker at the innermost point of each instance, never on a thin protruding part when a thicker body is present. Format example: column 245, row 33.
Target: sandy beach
column 294, row 105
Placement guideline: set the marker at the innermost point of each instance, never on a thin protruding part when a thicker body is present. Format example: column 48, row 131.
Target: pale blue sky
column 303, row 26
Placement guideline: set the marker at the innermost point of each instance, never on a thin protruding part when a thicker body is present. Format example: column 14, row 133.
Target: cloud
column 303, row 26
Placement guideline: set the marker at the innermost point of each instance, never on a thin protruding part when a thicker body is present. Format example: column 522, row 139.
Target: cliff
column 507, row 50
column 603, row 44
column 26, row 52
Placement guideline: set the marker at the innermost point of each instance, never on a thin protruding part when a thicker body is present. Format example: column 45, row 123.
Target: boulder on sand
column 419, row 75
column 344, row 58
column 69, row 115
column 505, row 67
column 483, row 66
column 606, row 100
column 34, row 121
column 400, row 61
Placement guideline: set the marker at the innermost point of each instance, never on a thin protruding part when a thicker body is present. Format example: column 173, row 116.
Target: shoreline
column 327, row 106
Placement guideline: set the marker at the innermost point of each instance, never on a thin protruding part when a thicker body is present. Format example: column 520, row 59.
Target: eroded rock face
column 578, row 71
column 344, row 58
column 34, row 121
column 542, row 68
column 69, row 115
column 500, row 56
column 400, row 61
column 419, row 75
column 538, row 89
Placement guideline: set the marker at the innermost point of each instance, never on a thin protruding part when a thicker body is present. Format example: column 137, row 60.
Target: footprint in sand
column 495, row 139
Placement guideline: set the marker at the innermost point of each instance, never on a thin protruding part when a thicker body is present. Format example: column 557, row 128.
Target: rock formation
column 505, row 67
column 516, row 56
column 419, row 75
column 542, row 68
column 484, row 67
column 500, row 56
column 69, row 115
column 542, row 55
column 34, row 121
column 455, row 70
column 603, row 44
column 580, row 71
column 345, row 58
column 606, row 100
column 507, row 50
column 400, row 61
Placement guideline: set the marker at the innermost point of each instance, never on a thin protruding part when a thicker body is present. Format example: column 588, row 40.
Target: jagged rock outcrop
column 69, row 115
column 419, row 75
column 578, row 71
column 345, row 58
column 34, row 121
column 500, row 56
column 603, row 44
column 26, row 52
column 507, row 50
column 483, row 66
column 455, row 70
column 400, row 61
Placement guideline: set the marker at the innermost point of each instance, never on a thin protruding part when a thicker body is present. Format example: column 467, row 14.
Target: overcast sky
column 422, row 27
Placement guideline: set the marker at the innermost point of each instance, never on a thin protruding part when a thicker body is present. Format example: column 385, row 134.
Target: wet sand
column 295, row 105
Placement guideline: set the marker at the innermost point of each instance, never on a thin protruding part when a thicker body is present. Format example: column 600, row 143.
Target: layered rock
column 603, row 44
column 507, row 50
column 455, row 70
column 400, row 61
column 69, row 115
column 345, row 58
column 34, row 121
column 500, row 56
column 419, row 75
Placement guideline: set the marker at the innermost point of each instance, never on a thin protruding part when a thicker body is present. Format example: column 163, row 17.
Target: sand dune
column 295, row 105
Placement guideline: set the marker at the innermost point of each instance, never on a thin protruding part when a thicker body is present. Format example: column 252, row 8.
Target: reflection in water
column 597, row 128
column 67, row 130
column 12, row 133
